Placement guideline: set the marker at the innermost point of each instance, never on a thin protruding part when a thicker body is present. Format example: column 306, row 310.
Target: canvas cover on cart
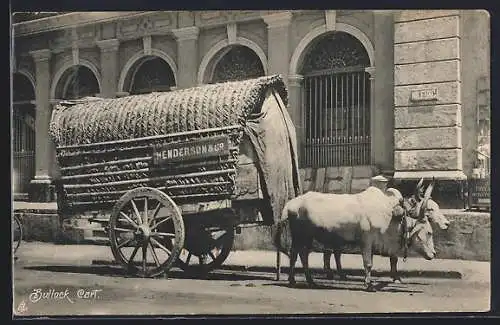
column 257, row 105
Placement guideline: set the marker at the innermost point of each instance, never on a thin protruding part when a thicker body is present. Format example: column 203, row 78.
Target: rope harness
column 405, row 236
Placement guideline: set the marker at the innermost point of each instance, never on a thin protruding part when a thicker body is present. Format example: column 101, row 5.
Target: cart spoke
column 188, row 258
column 155, row 212
column 133, row 255
column 161, row 246
column 124, row 229
column 145, row 221
column 137, row 214
column 219, row 239
column 159, row 223
column 125, row 242
column 212, row 255
column 144, row 258
column 163, row 234
column 129, row 220
column 155, row 257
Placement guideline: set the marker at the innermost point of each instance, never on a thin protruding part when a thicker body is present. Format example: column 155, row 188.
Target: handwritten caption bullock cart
column 172, row 175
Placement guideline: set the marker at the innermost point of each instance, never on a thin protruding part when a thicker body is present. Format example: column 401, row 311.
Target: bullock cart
column 173, row 175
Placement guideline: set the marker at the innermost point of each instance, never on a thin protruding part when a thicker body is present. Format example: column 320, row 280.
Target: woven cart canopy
column 209, row 106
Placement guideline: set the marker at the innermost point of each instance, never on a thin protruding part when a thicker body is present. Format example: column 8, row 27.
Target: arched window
column 337, row 102
column 76, row 82
column 237, row 62
column 150, row 74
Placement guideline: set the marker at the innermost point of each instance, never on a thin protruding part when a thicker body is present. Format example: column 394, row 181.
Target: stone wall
column 343, row 179
column 467, row 238
column 427, row 76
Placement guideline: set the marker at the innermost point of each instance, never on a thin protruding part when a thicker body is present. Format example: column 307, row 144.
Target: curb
column 440, row 274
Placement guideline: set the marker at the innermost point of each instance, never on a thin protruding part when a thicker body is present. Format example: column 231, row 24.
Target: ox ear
column 419, row 190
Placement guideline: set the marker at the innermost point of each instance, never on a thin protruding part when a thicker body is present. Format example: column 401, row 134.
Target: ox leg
column 368, row 264
column 340, row 271
column 293, row 259
column 304, row 258
column 394, row 269
column 327, row 255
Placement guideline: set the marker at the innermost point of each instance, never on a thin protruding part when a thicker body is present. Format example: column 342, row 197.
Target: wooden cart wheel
column 17, row 233
column 201, row 260
column 146, row 232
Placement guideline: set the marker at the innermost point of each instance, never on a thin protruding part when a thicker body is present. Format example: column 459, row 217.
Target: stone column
column 39, row 189
column 278, row 31
column 187, row 56
column 109, row 67
column 373, row 125
column 295, row 109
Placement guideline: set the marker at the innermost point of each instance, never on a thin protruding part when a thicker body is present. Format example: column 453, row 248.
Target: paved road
column 105, row 290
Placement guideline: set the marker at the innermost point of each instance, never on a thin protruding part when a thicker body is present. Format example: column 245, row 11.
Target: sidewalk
column 265, row 261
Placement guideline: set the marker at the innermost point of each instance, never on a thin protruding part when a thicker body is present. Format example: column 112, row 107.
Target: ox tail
column 282, row 230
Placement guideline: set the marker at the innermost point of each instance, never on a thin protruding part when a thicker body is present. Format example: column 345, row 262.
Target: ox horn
column 419, row 191
column 429, row 189
column 427, row 196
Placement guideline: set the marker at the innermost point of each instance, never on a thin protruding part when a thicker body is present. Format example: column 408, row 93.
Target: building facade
column 404, row 93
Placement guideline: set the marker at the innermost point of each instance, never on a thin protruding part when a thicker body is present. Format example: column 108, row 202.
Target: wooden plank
column 153, row 179
column 163, row 188
column 106, row 163
column 247, row 183
column 154, row 137
column 200, row 207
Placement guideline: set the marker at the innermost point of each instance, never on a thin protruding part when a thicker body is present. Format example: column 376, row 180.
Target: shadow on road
column 382, row 286
column 105, row 270
column 376, row 273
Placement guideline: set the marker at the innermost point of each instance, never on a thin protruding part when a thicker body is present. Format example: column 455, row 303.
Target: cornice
column 41, row 55
column 108, row 45
column 278, row 19
column 69, row 20
column 186, row 33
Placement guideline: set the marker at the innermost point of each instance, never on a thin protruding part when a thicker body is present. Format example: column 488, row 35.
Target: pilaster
column 39, row 189
column 278, row 39
column 109, row 67
column 295, row 108
column 187, row 55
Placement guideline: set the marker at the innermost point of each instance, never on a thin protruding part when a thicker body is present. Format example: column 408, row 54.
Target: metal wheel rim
column 215, row 261
column 143, row 236
column 18, row 225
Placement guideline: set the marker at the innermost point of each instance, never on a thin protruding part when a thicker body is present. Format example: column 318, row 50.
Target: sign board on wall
column 424, row 94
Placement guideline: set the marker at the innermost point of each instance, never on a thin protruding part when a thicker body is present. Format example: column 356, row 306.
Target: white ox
column 372, row 219
column 414, row 204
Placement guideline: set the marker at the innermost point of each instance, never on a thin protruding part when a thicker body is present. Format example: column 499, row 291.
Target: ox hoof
column 371, row 288
column 329, row 275
column 342, row 276
column 291, row 283
column 397, row 280
column 312, row 285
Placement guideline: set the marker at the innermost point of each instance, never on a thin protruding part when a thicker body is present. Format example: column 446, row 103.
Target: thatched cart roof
column 207, row 106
